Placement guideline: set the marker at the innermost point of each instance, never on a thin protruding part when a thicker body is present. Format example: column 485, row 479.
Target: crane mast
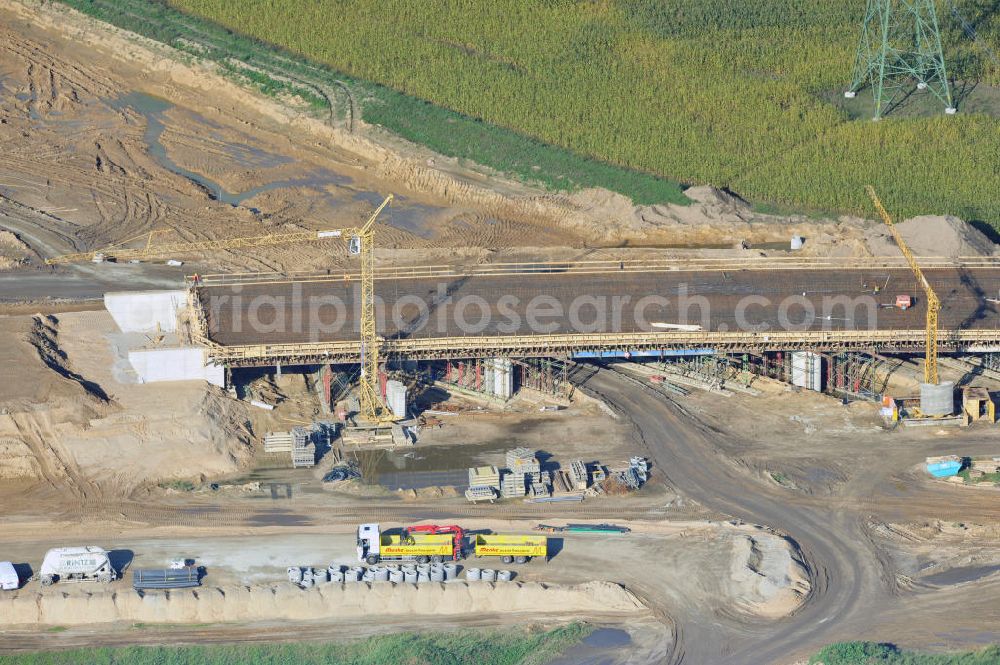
column 933, row 303
column 373, row 408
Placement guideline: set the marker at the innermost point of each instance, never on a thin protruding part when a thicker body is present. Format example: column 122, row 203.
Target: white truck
column 9, row 579
column 76, row 564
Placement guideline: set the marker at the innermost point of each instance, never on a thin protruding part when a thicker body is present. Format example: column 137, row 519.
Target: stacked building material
column 512, row 485
column 578, row 472
column 303, row 448
column 539, row 489
column 484, row 476
column 278, row 442
column 480, row 493
column 523, row 461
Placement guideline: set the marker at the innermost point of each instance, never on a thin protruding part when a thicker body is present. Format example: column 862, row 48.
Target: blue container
column 944, row 469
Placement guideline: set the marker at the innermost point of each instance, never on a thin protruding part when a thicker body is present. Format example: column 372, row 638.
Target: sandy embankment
column 68, row 605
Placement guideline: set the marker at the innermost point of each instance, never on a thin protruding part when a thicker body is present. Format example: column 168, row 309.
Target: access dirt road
column 89, row 162
column 855, row 591
column 712, row 593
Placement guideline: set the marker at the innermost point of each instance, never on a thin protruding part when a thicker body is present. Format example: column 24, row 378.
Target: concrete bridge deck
column 611, row 308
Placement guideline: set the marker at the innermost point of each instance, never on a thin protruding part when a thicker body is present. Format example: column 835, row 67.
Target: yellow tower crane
column 362, row 243
column 933, row 303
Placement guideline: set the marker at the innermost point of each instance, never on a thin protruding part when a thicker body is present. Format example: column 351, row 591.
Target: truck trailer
column 9, row 579
column 511, row 548
column 375, row 546
column 76, row 564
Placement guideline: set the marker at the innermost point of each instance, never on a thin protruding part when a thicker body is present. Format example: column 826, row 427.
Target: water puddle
column 435, row 466
column 153, row 110
column 960, row 575
column 403, row 214
column 602, row 647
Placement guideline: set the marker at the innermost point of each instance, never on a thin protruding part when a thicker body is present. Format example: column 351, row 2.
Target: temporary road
column 851, row 579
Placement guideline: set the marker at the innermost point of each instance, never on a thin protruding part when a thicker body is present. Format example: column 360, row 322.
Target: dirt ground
column 79, row 422
column 85, row 449
column 131, row 139
column 148, row 140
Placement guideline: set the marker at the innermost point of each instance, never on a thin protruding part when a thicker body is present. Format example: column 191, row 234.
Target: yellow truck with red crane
column 433, row 543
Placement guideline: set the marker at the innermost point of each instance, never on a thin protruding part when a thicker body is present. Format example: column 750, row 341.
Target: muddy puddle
column 960, row 575
column 153, row 109
column 604, row 646
column 323, row 183
column 435, row 466
column 406, row 469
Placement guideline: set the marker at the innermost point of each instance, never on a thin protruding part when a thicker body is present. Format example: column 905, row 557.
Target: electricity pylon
column 900, row 45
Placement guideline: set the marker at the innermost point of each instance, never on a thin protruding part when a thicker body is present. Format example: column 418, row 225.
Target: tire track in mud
column 847, row 580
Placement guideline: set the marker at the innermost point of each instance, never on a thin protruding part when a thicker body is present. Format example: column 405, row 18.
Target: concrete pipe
column 294, row 574
column 437, row 575
column 321, row 575
column 488, row 575
column 307, row 582
column 504, row 576
column 410, row 576
column 353, row 574
column 450, row 571
column 368, row 576
column 381, row 574
column 396, row 576
column 334, row 568
column 423, row 568
column 473, row 574
column 422, row 578
column 337, row 576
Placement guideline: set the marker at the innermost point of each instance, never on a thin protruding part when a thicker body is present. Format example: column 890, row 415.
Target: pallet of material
column 578, row 472
column 519, row 455
column 512, row 485
column 564, row 482
column 481, row 493
column 278, row 442
column 539, row 489
column 484, row 475
column 165, row 578
column 304, row 456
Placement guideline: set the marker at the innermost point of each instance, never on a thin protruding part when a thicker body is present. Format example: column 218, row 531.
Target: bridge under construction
column 598, row 309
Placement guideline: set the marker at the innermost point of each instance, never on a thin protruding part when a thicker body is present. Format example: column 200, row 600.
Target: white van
column 9, row 580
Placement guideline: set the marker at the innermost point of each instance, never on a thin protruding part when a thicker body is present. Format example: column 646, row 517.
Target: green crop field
column 638, row 94
column 511, row 647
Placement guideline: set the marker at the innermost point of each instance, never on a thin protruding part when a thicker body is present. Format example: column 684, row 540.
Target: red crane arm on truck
column 459, row 532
